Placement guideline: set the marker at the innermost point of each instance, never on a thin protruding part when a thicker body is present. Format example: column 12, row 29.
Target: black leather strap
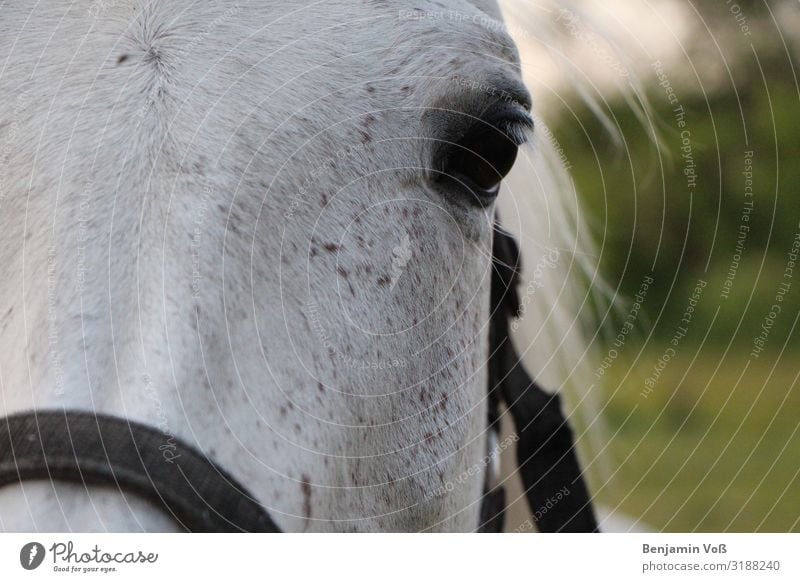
column 554, row 484
column 493, row 508
column 98, row 449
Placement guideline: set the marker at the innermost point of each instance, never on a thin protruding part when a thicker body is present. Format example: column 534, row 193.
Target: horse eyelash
column 518, row 129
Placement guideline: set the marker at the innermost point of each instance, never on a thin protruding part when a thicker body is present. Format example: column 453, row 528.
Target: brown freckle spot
column 331, row 247
column 365, row 137
column 384, row 280
column 283, row 410
column 122, row 59
column 343, row 272
column 405, row 88
column 370, row 89
column 297, row 428
column 320, row 387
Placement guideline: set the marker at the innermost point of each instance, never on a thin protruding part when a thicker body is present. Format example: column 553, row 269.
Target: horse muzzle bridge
column 91, row 448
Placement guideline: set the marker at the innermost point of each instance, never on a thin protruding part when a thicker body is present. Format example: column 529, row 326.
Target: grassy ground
column 714, row 447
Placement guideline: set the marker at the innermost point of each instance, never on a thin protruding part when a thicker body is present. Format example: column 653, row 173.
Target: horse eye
column 476, row 164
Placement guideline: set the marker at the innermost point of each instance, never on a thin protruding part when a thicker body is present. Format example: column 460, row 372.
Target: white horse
column 265, row 228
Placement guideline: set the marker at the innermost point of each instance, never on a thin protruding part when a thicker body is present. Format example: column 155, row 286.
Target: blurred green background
column 710, row 439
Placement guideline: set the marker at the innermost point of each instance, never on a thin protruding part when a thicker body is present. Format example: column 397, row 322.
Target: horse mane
column 566, row 306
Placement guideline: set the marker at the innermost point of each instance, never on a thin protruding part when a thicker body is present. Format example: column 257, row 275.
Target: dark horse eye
column 475, row 164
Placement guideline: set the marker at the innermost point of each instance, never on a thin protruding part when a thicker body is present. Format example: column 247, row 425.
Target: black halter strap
column 98, row 449
column 554, row 484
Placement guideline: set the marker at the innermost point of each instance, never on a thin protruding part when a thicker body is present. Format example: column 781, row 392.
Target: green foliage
column 707, row 441
column 649, row 220
column 712, row 448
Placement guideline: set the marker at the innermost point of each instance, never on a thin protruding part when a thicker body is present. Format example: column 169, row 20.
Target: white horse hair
column 216, row 219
